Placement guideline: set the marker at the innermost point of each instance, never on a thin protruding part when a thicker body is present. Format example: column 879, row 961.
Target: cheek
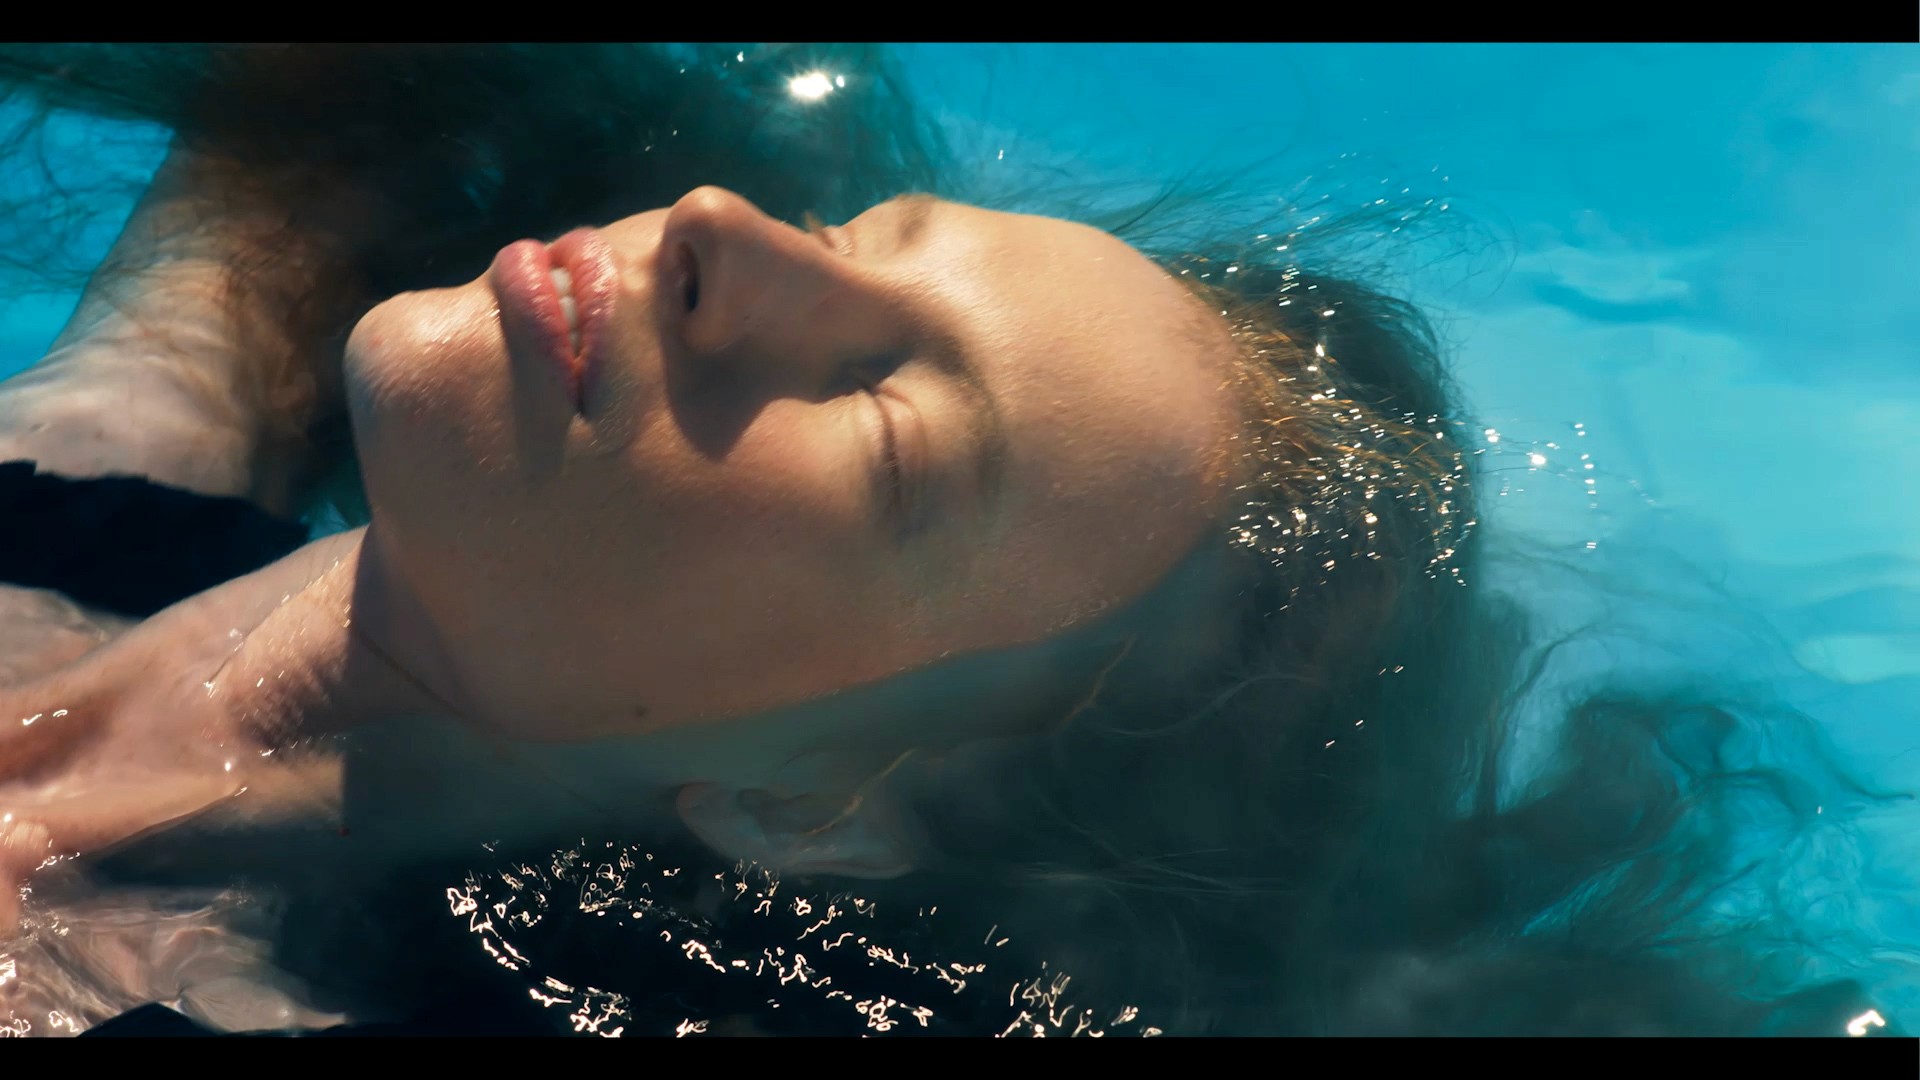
column 792, row 484
column 757, row 570
column 1112, row 498
column 696, row 582
column 776, row 548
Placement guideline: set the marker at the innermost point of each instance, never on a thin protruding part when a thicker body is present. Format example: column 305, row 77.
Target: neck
column 314, row 663
column 186, row 717
column 272, row 660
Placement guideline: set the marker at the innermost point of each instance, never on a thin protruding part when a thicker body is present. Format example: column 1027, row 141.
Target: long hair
column 1323, row 830
column 1319, row 829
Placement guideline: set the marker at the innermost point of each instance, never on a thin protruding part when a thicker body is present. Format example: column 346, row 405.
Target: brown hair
column 1303, row 829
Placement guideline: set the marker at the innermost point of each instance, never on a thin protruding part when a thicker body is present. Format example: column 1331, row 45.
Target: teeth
column 563, row 281
column 573, row 322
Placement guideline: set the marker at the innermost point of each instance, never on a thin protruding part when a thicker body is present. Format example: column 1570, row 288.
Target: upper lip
column 557, row 260
column 574, row 357
column 531, row 313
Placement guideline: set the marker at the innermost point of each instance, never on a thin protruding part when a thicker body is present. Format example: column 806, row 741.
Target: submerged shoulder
column 42, row 630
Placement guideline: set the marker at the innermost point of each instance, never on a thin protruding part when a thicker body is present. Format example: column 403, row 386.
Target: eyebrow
column 914, row 210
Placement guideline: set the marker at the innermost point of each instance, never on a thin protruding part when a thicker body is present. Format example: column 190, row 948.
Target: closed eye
column 892, row 474
column 890, row 458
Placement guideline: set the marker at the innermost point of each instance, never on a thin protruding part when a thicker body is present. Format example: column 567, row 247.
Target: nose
column 763, row 298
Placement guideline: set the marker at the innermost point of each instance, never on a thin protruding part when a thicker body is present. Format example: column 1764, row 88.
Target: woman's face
column 789, row 463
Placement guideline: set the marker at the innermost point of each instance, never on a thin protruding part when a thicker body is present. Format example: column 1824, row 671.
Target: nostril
column 689, row 279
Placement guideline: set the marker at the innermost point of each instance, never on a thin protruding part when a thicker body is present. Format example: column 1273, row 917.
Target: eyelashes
column 866, row 377
column 833, row 236
column 890, row 458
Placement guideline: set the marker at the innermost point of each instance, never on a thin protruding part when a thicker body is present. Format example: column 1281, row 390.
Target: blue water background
column 1693, row 264
column 1688, row 267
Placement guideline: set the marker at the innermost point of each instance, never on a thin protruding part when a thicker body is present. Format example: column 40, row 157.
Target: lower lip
column 530, row 312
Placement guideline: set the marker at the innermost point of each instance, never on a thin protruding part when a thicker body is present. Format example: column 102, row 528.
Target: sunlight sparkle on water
column 1859, row 1024
column 813, row 85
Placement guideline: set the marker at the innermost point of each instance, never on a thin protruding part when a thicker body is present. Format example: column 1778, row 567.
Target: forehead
column 1112, row 379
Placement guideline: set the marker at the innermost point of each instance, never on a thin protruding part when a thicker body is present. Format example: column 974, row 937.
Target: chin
column 418, row 345
column 426, row 386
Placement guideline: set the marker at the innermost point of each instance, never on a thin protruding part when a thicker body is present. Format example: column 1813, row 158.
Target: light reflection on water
column 738, row 951
column 85, row 959
column 512, row 911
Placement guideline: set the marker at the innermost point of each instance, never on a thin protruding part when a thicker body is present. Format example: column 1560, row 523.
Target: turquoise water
column 1689, row 267
column 1705, row 252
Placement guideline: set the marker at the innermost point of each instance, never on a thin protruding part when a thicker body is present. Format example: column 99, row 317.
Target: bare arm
column 204, row 352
